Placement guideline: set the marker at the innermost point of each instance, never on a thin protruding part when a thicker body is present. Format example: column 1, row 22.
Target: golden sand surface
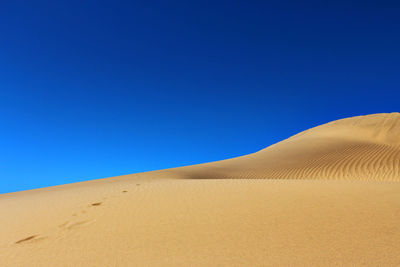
column 329, row 196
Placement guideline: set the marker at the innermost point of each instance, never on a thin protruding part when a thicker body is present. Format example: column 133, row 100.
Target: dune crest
column 357, row 148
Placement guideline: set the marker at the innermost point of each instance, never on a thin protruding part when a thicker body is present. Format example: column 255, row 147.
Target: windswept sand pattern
column 360, row 148
column 353, row 162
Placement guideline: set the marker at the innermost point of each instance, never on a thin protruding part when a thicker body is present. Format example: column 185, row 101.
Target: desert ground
column 328, row 196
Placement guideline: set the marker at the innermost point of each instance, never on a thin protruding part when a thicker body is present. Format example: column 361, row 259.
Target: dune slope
column 358, row 148
column 329, row 196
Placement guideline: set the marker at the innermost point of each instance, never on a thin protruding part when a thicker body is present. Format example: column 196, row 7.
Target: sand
column 329, row 196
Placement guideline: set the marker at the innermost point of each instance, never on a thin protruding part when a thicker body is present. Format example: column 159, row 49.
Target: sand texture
column 329, row 196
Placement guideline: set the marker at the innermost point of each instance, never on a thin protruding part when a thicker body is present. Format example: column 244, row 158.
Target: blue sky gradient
column 93, row 89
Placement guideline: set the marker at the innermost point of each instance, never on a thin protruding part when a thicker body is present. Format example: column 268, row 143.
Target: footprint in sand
column 71, row 225
column 32, row 238
column 78, row 224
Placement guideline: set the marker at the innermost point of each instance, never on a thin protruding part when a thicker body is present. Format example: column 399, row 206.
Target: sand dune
column 358, row 148
column 329, row 196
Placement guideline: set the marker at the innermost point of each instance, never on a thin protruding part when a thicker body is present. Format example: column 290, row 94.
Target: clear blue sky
column 92, row 89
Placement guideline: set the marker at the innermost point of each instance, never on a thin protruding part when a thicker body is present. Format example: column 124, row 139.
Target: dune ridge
column 358, row 148
column 328, row 196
